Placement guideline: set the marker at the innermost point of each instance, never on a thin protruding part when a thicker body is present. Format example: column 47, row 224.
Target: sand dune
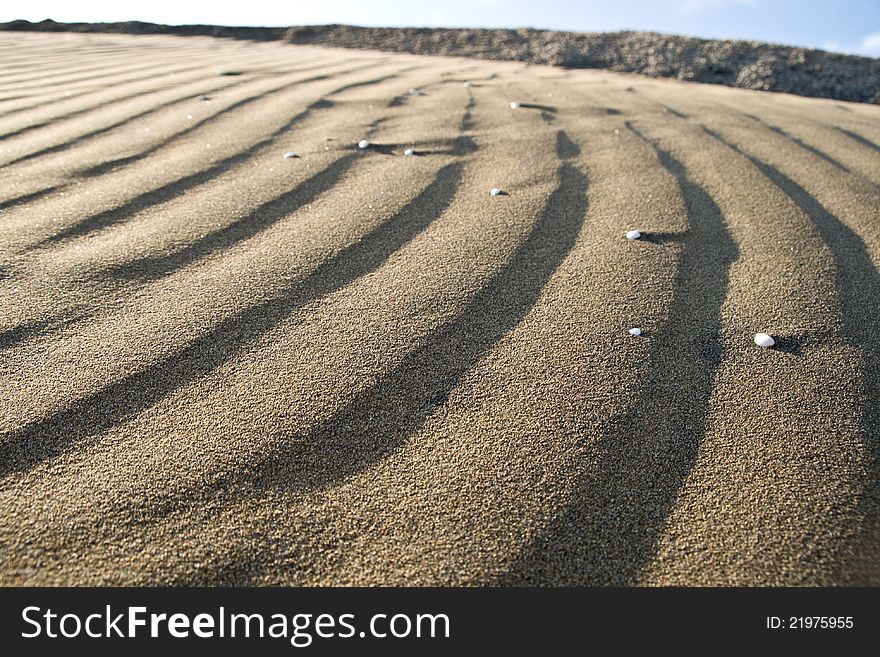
column 221, row 366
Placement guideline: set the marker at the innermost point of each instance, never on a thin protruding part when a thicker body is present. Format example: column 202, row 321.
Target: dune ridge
column 736, row 63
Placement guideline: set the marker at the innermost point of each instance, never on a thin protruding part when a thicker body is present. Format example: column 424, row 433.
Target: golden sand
column 221, row 366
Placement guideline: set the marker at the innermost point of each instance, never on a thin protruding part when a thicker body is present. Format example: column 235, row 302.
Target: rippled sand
column 221, row 366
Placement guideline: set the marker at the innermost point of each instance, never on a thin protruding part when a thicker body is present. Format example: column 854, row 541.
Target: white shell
column 409, row 151
column 764, row 340
column 415, row 92
column 514, row 105
column 364, row 143
column 633, row 234
column 290, row 154
column 466, row 83
column 495, row 191
column 635, row 331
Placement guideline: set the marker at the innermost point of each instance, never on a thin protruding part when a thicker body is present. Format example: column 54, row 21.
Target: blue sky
column 845, row 26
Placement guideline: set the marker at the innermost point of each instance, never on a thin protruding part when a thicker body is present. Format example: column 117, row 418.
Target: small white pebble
column 415, row 92
column 409, row 151
column 764, row 340
column 514, row 105
column 364, row 143
column 189, row 116
column 633, row 234
column 467, row 83
column 290, row 155
column 635, row 331
column 495, row 191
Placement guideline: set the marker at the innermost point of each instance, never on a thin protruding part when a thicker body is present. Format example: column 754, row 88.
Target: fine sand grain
column 223, row 366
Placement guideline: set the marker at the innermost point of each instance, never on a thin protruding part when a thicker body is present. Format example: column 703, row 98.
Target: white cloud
column 700, row 5
column 871, row 43
column 869, row 46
